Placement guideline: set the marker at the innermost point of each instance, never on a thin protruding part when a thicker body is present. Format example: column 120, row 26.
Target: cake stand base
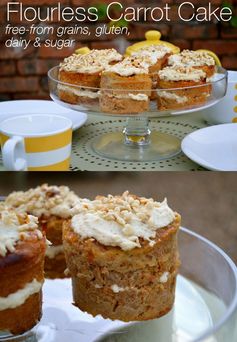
column 117, row 146
column 28, row 336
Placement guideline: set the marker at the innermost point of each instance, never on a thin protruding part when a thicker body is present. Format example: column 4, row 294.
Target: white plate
column 12, row 108
column 213, row 147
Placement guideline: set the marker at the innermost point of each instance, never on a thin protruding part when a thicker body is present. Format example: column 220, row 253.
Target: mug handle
column 13, row 153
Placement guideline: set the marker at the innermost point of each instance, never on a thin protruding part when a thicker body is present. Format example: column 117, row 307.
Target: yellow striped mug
column 37, row 142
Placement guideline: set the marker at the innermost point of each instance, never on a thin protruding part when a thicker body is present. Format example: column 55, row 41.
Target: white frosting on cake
column 191, row 58
column 153, row 52
column 175, row 60
column 135, row 97
column 121, row 220
column 130, row 66
column 19, row 297
column 164, row 277
column 15, row 227
column 172, row 96
column 92, row 62
column 52, row 251
column 44, row 200
column 116, row 289
column 178, row 73
column 138, row 97
column 80, row 92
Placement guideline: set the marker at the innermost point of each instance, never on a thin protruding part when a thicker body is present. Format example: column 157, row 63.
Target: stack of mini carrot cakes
column 84, row 71
column 195, row 59
column 181, row 87
column 122, row 254
column 52, row 205
column 126, row 87
column 22, row 252
column 158, row 58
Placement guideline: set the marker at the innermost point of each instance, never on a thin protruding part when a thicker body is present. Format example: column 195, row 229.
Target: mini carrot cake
column 181, row 87
column 85, row 72
column 22, row 251
column 158, row 58
column 195, row 59
column 126, row 87
column 52, row 205
column 122, row 254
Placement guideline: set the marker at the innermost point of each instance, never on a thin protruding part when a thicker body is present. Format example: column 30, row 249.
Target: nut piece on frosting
column 44, row 200
column 197, row 59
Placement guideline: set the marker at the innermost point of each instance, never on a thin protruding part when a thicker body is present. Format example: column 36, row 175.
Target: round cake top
column 153, row 52
column 15, row 227
column 180, row 73
column 92, row 62
column 191, row 58
column 131, row 66
column 121, row 220
column 44, row 200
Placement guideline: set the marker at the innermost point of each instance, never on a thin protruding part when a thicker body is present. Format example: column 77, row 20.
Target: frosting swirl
column 121, row 220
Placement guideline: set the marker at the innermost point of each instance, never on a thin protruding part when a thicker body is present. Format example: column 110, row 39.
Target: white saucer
column 213, row 147
column 12, row 108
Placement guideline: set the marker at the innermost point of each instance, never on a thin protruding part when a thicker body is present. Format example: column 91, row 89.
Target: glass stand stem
column 137, row 143
column 137, row 132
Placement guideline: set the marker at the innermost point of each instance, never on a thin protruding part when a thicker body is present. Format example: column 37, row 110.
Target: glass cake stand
column 137, row 142
column 29, row 336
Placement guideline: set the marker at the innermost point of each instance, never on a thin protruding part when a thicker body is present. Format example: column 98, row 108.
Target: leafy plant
column 102, row 15
column 101, row 11
column 233, row 21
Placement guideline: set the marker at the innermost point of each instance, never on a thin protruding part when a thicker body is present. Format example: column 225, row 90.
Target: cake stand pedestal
column 137, row 143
